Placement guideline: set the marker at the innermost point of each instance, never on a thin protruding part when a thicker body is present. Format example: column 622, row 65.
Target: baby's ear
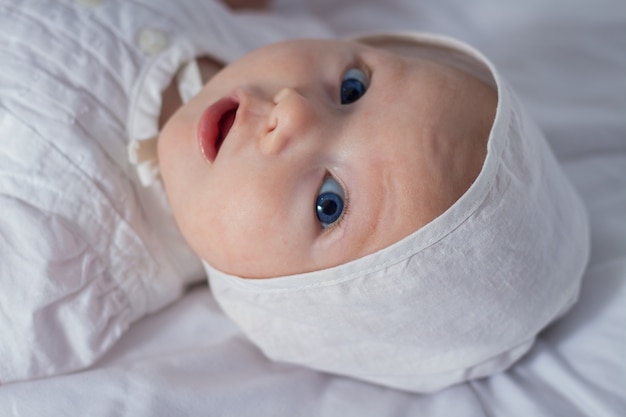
column 247, row 4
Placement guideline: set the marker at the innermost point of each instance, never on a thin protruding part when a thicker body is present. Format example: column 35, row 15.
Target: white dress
column 85, row 250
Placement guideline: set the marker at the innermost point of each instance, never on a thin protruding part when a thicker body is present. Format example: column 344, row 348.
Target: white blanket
column 567, row 61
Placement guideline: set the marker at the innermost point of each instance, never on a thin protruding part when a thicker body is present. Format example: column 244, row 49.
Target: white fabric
column 189, row 81
column 566, row 61
column 84, row 250
column 461, row 298
column 142, row 153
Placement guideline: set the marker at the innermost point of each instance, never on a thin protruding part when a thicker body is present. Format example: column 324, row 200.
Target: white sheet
column 568, row 62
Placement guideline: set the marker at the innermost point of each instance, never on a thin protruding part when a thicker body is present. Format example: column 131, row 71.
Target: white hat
column 464, row 296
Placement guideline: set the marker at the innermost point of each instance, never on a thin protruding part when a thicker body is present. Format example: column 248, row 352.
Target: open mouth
column 215, row 124
column 225, row 123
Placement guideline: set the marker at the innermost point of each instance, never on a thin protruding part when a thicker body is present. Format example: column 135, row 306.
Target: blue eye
column 353, row 85
column 329, row 203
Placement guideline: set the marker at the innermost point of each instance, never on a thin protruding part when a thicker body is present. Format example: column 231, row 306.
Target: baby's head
column 417, row 230
column 308, row 154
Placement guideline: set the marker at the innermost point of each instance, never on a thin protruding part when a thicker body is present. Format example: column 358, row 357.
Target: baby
column 411, row 224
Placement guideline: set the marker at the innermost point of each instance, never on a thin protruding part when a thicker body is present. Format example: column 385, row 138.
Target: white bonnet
column 463, row 297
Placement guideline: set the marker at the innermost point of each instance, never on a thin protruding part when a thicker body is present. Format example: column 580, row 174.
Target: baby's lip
column 215, row 124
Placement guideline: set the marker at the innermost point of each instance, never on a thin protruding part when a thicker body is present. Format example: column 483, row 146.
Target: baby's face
column 308, row 154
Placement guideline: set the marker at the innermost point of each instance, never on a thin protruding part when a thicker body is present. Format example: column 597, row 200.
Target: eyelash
column 359, row 63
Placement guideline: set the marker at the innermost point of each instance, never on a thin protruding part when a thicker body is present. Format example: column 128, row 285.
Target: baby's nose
column 291, row 118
